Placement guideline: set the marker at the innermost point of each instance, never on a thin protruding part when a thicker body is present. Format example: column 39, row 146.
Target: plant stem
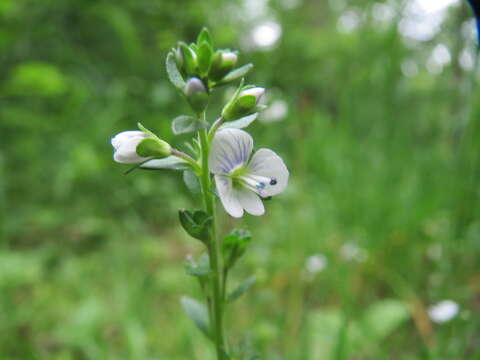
column 213, row 250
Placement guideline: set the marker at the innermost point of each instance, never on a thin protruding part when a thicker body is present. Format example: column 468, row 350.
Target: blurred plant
column 220, row 163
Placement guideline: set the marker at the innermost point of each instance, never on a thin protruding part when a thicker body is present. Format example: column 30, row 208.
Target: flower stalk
column 219, row 162
column 214, row 250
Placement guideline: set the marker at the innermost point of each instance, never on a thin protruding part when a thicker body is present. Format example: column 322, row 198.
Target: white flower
column 316, row 263
column 443, row 311
column 125, row 145
column 241, row 180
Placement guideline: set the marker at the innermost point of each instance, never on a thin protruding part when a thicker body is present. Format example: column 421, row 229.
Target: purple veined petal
column 227, row 196
column 267, row 163
column 125, row 136
column 230, row 149
column 127, row 152
column 250, row 201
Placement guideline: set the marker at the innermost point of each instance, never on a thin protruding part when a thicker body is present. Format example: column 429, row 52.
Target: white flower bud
column 229, row 58
column 194, row 86
column 256, row 91
column 125, row 145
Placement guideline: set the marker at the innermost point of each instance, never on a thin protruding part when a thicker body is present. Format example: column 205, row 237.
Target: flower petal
column 228, row 196
column 124, row 136
column 250, row 201
column 230, row 149
column 127, row 152
column 267, row 163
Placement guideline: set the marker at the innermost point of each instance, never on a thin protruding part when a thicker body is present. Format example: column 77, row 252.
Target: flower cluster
column 241, row 179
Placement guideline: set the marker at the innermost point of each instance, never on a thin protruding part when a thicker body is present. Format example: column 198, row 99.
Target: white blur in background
column 443, row 311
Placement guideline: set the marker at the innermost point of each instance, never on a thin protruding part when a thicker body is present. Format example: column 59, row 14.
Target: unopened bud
column 256, row 91
column 196, row 94
column 244, row 104
column 223, row 62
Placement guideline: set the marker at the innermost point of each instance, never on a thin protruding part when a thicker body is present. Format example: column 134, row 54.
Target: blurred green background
column 374, row 109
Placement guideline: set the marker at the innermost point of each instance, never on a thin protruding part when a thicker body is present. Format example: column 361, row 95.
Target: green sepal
column 153, row 147
column 234, row 246
column 204, row 35
column 189, row 59
column 173, row 71
column 242, row 288
column 240, row 107
column 198, row 313
column 204, row 57
column 196, row 224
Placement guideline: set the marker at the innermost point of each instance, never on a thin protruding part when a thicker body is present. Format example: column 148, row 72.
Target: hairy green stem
column 214, row 250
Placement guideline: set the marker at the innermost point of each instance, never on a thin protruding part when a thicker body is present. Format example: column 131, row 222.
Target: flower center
column 255, row 183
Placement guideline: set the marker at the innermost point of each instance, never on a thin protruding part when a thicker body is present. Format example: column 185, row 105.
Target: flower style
column 242, row 181
column 125, row 145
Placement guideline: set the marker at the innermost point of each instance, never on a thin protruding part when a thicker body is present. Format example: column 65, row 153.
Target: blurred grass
column 91, row 260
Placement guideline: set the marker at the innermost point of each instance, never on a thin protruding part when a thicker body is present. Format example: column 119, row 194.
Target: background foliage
column 379, row 139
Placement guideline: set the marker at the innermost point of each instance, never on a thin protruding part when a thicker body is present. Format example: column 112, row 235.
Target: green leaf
column 196, row 224
column 383, row 317
column 185, row 124
column 241, row 289
column 198, row 313
column 234, row 246
column 191, row 181
column 200, row 268
column 240, row 123
column 173, row 73
column 204, row 36
column 204, row 57
column 236, row 74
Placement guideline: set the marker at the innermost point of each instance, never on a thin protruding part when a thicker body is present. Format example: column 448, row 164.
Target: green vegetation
column 384, row 161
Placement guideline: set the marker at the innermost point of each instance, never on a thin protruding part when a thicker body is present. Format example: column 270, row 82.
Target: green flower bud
column 244, row 104
column 189, row 59
column 153, row 147
column 196, row 94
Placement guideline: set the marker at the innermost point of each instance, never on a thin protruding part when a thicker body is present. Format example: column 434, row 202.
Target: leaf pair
column 197, row 224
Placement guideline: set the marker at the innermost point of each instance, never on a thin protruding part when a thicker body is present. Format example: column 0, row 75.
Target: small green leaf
column 200, row 268
column 204, row 36
column 240, row 123
column 234, row 246
column 196, row 224
column 198, row 313
column 185, row 124
column 241, row 289
column 191, row 181
column 173, row 73
column 236, row 74
column 168, row 163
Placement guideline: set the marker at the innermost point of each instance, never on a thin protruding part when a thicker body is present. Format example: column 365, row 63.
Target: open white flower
column 242, row 180
column 125, row 145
